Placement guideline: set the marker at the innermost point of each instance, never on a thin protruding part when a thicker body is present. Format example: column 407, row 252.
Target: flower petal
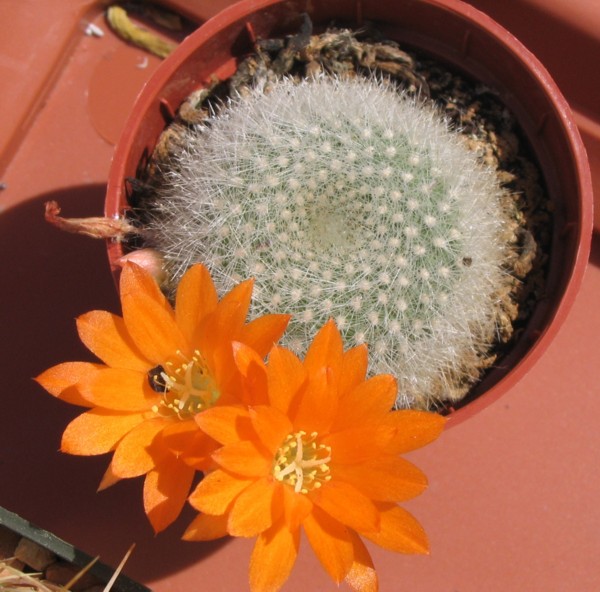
column 245, row 459
column 226, row 424
column 251, row 512
column 176, row 436
column 132, row 457
column 199, row 451
column 61, row 380
column 252, row 368
column 165, row 491
column 245, row 356
column 152, row 328
column 285, row 377
column 354, row 368
column 362, row 576
column 97, row 431
column 189, row 444
column 413, row 429
column 399, row 531
column 137, row 280
column 206, row 528
column 241, row 296
column 347, row 505
column 366, row 403
column 149, row 318
column 271, row 425
column 386, row 479
column 316, row 408
column 216, row 491
column 273, row 558
column 262, row 333
column 120, row 390
column 105, row 335
column 331, row 543
column 296, row 506
column 326, row 349
column 357, row 445
column 196, row 297
column 226, row 321
column 108, row 479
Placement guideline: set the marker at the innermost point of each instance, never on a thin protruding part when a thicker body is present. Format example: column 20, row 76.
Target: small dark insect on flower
column 156, row 380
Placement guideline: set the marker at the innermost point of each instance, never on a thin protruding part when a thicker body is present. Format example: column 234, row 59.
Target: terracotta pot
column 455, row 33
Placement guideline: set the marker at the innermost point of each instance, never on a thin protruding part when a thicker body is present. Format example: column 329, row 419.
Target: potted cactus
column 357, row 208
column 347, row 200
column 290, row 208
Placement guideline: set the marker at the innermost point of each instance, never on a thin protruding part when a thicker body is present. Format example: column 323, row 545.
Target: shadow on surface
column 50, row 278
column 595, row 250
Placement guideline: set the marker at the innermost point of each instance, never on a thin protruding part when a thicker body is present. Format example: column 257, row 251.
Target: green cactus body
column 345, row 199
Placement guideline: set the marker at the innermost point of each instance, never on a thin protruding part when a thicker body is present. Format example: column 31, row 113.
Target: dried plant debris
column 125, row 28
column 94, row 227
column 26, row 566
column 488, row 128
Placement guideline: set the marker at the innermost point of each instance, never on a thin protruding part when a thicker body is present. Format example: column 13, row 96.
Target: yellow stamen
column 301, row 462
column 187, row 389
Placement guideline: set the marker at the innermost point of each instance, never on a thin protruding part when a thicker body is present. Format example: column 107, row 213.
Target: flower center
column 302, row 463
column 187, row 388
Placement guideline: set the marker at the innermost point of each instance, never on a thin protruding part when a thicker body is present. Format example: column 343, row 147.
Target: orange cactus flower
column 161, row 367
column 319, row 450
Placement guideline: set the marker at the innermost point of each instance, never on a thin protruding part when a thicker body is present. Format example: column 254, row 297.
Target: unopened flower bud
column 150, row 259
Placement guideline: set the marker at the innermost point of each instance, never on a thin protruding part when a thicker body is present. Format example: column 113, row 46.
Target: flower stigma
column 302, row 463
column 186, row 389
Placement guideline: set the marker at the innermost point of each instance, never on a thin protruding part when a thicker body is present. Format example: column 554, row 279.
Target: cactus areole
column 346, row 199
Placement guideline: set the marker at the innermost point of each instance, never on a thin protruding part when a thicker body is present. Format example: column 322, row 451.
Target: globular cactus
column 345, row 199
